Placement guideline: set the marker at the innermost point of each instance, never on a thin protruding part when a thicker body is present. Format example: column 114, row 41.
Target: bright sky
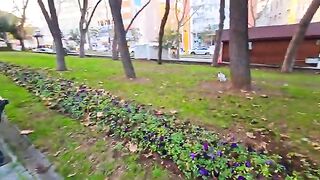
column 34, row 15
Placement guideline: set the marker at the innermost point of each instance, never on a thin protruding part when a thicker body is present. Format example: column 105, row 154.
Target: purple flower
column 234, row 145
column 161, row 138
column 212, row 156
column 203, row 171
column 248, row 164
column 269, row 162
column 193, row 155
column 236, row 164
column 205, row 146
column 241, row 178
column 219, row 153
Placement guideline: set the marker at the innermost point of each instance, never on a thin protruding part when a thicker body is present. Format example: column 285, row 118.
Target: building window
column 250, row 45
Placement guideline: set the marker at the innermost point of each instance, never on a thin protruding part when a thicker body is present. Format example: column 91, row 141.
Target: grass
column 292, row 107
column 76, row 151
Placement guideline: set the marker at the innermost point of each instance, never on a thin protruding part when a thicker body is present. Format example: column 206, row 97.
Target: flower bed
column 196, row 151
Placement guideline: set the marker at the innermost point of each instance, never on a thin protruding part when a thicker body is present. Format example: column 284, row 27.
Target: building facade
column 279, row 12
column 205, row 19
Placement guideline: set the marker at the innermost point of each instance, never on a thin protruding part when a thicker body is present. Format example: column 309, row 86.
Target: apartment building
column 205, row 18
column 280, row 12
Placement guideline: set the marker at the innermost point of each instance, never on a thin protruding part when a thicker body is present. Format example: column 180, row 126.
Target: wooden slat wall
column 273, row 52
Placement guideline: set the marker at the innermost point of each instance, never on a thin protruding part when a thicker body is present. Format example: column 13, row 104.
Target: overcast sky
column 34, row 15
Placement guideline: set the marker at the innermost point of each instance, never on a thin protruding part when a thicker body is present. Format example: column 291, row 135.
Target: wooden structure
column 268, row 45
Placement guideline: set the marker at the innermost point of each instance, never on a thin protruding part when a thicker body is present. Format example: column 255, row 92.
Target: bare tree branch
column 190, row 16
column 79, row 4
column 45, row 14
column 255, row 18
column 92, row 13
column 136, row 15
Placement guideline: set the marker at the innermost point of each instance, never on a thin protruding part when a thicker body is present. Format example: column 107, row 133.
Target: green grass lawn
column 76, row 151
column 292, row 107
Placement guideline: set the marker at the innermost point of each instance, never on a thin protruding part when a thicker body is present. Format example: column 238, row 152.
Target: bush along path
column 198, row 153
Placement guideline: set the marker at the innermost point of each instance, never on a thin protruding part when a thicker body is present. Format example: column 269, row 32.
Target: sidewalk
column 11, row 169
column 21, row 159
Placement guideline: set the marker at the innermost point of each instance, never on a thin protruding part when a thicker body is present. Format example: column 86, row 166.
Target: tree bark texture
column 115, row 6
column 54, row 28
column 115, row 50
column 217, row 46
column 239, row 53
column 298, row 37
column 161, row 31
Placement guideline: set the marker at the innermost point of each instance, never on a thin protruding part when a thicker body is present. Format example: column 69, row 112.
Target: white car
column 200, row 51
column 3, row 43
column 44, row 50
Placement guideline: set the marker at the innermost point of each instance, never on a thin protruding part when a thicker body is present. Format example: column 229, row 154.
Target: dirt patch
column 216, row 89
column 264, row 140
column 138, row 80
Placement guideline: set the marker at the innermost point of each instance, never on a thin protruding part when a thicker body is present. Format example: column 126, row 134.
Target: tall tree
column 53, row 24
column 298, row 38
column 239, row 53
column 161, row 30
column 85, row 23
column 219, row 34
column 21, row 33
column 182, row 18
column 115, row 6
column 115, row 53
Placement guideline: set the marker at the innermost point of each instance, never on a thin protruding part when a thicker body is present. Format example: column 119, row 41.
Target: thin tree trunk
column 82, row 42
column 178, row 42
column 121, row 38
column 22, row 45
column 239, row 53
column 161, row 31
column 298, row 38
column 60, row 53
column 89, row 41
column 38, row 44
column 54, row 28
column 115, row 52
column 219, row 34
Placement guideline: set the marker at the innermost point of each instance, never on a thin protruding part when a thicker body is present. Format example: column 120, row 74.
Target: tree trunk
column 121, row 38
column 298, row 38
column 239, row 53
column 115, row 52
column 60, row 53
column 217, row 46
column 22, row 45
column 54, row 28
column 38, row 44
column 161, row 31
column 178, row 42
column 82, row 42
column 89, row 41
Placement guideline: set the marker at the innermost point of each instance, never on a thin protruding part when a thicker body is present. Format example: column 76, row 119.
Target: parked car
column 200, row 51
column 3, row 43
column 43, row 50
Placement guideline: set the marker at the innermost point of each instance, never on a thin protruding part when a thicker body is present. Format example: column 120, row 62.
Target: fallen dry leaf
column 264, row 96
column 250, row 135
column 26, row 132
column 159, row 113
column 57, row 154
column 99, row 114
column 133, row 147
column 71, row 175
column 173, row 111
column 284, row 136
column 249, row 97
